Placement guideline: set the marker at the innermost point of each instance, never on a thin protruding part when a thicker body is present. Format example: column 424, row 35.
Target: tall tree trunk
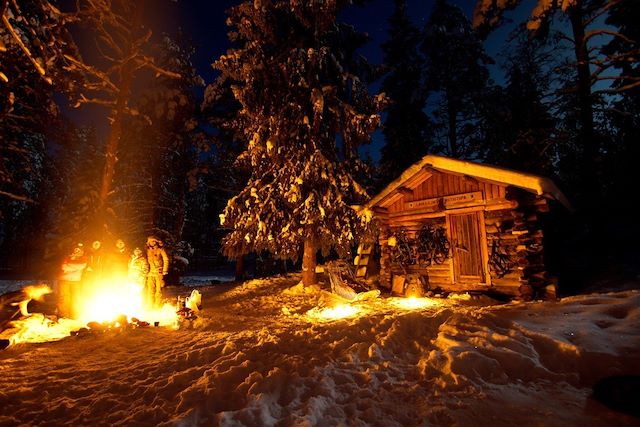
column 181, row 195
column 452, row 117
column 115, row 132
column 111, row 151
column 309, row 276
column 585, row 102
column 239, row 269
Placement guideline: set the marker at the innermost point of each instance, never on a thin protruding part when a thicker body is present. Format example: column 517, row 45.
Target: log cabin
column 449, row 225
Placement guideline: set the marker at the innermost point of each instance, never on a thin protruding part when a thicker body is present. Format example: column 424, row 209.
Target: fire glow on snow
column 340, row 311
column 111, row 298
column 414, row 303
column 344, row 311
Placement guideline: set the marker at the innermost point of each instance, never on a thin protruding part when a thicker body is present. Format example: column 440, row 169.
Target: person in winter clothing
column 118, row 261
column 138, row 268
column 95, row 263
column 70, row 282
column 120, row 255
column 158, row 268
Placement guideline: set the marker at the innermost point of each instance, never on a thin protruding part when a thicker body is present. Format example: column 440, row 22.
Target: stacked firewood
column 535, row 283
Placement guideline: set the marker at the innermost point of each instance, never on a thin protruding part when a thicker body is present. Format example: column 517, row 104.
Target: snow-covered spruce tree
column 303, row 116
column 34, row 42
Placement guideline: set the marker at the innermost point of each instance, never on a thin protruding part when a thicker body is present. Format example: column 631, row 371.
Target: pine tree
column 34, row 45
column 303, row 116
column 73, row 171
column 623, row 51
column 406, row 127
column 520, row 131
column 584, row 18
column 456, row 70
column 221, row 108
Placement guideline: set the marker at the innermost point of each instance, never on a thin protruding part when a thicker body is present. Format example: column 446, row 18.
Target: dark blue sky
column 204, row 20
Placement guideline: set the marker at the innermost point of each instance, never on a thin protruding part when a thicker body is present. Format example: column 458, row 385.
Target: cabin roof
column 533, row 183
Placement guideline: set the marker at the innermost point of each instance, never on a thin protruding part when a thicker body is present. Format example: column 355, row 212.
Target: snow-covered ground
column 7, row 286
column 204, row 280
column 262, row 354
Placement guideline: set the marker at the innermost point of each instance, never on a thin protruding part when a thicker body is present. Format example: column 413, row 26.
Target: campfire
column 109, row 304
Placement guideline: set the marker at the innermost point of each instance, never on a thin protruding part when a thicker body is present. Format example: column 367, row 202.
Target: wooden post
column 309, row 261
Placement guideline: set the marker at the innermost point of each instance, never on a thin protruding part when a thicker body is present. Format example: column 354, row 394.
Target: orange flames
column 110, row 297
column 100, row 304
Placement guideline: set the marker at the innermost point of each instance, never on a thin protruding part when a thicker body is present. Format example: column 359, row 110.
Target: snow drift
column 261, row 354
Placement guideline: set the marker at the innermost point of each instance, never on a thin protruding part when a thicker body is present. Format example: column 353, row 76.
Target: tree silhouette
column 456, row 70
column 406, row 127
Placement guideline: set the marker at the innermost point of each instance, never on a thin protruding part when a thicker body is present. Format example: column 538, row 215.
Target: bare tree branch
column 16, row 197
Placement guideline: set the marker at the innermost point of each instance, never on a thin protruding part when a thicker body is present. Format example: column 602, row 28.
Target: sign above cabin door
column 466, row 235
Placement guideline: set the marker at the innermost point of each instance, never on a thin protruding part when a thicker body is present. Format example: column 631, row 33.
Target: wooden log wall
column 499, row 226
column 534, row 280
column 520, row 237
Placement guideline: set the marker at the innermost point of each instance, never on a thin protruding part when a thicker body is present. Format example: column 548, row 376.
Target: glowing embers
column 340, row 311
column 414, row 303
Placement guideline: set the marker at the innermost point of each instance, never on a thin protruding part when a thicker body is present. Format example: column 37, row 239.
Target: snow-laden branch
column 148, row 62
column 84, row 100
column 93, row 71
column 39, row 68
column 620, row 89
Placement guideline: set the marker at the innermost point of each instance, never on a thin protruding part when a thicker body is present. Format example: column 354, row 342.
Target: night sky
column 204, row 20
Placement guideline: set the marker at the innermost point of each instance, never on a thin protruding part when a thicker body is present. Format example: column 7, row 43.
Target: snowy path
column 249, row 361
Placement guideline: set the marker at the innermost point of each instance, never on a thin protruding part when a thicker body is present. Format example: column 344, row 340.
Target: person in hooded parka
column 158, row 268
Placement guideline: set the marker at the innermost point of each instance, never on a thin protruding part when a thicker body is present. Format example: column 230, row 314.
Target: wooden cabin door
column 466, row 240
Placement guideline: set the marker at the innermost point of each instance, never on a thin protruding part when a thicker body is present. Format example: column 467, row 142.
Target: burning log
column 82, row 332
column 139, row 323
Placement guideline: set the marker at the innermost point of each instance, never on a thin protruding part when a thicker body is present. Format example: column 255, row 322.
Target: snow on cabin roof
column 534, row 183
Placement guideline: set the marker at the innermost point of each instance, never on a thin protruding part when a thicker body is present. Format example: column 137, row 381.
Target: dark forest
column 258, row 168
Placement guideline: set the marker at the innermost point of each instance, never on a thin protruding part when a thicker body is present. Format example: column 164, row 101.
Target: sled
column 346, row 290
